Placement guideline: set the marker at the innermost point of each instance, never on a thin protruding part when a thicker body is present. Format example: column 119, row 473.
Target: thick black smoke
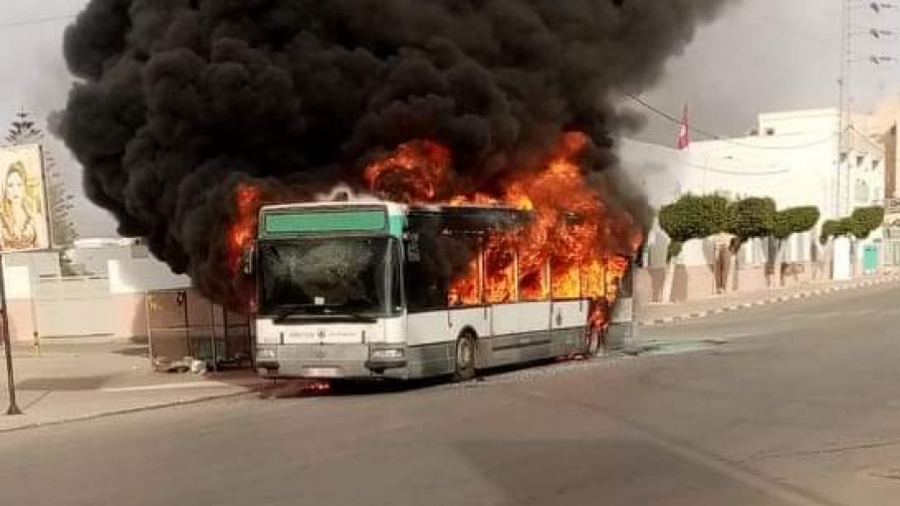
column 181, row 100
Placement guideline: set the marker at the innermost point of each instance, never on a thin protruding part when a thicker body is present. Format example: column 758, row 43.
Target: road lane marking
column 170, row 386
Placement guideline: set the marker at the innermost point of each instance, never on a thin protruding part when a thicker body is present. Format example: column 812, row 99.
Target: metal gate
column 73, row 306
column 184, row 327
column 892, row 246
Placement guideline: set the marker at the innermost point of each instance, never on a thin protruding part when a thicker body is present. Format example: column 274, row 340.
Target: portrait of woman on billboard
column 23, row 226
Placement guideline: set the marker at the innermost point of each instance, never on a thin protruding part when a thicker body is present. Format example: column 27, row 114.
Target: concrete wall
column 793, row 160
column 124, row 306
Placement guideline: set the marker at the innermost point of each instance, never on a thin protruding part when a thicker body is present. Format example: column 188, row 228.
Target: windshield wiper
column 288, row 311
column 317, row 310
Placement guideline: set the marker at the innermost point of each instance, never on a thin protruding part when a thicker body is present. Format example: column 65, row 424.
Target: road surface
column 797, row 404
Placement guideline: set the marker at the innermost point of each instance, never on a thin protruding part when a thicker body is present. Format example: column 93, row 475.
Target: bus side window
column 626, row 284
column 424, row 289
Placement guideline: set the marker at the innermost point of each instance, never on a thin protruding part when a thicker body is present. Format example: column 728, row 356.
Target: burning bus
column 376, row 289
column 189, row 119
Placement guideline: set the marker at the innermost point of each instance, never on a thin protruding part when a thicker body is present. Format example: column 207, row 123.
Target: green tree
column 866, row 220
column 747, row 219
column 690, row 217
column 858, row 225
column 23, row 130
column 751, row 218
column 788, row 222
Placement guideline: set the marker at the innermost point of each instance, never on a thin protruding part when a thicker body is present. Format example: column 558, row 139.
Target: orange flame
column 412, row 174
column 571, row 249
column 565, row 252
column 243, row 230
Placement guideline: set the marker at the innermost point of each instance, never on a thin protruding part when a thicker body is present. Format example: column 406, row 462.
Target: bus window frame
column 388, row 311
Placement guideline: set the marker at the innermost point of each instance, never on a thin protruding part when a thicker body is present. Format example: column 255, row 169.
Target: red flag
column 684, row 132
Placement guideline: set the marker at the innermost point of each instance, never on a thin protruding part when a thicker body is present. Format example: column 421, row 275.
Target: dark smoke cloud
column 181, row 100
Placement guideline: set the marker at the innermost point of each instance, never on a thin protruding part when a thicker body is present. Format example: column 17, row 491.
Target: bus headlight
column 388, row 353
column 266, row 353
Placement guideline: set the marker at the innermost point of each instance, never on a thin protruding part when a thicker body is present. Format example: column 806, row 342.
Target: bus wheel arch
column 466, row 355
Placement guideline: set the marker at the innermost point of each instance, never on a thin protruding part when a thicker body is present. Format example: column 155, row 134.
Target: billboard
column 23, row 203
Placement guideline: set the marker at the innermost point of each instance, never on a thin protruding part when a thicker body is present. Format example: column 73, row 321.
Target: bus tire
column 466, row 353
column 592, row 349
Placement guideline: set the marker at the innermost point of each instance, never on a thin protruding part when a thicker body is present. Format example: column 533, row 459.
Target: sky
column 759, row 56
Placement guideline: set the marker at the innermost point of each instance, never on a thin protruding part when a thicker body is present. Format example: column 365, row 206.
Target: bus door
column 569, row 313
column 622, row 321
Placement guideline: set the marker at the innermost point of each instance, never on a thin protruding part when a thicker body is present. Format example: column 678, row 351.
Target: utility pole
column 13, row 409
column 849, row 30
column 846, row 14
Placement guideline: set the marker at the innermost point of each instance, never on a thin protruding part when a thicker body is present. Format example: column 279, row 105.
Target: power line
column 707, row 168
column 737, row 173
column 668, row 116
column 721, row 138
column 37, row 21
column 864, row 137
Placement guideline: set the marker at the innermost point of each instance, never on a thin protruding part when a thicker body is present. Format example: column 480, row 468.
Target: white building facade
column 797, row 159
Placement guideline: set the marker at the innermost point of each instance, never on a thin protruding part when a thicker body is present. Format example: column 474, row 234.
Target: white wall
column 794, row 170
column 797, row 165
column 142, row 275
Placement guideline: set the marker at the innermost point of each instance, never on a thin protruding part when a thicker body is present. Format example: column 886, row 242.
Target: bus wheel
column 593, row 344
column 465, row 358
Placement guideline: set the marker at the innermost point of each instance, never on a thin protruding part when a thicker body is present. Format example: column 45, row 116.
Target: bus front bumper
column 337, row 361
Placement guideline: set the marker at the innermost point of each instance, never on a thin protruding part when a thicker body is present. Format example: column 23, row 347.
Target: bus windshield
column 335, row 276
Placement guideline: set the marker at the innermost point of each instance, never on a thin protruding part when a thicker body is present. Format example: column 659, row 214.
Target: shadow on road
column 70, row 384
column 616, row 472
column 296, row 388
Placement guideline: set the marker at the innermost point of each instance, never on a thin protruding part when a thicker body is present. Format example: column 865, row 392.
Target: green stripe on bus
column 397, row 224
column 322, row 222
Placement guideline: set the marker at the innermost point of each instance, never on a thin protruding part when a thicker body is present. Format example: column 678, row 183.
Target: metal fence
column 184, row 327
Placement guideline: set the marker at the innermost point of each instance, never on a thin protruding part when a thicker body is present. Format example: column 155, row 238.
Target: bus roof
column 468, row 217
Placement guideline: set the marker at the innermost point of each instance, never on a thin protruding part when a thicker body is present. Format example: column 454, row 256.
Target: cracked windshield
column 445, row 252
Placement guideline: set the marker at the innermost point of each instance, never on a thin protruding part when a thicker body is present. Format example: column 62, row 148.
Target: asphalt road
column 797, row 404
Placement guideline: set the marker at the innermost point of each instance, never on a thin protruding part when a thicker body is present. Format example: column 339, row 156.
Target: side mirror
column 248, row 257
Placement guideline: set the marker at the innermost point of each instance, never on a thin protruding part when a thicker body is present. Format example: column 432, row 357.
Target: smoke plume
column 179, row 102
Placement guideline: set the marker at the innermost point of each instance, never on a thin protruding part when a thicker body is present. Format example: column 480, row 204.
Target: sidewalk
column 74, row 380
column 650, row 315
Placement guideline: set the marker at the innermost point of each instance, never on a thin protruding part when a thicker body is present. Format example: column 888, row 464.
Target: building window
column 861, row 191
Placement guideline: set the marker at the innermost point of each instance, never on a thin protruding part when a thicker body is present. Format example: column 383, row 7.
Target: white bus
column 365, row 290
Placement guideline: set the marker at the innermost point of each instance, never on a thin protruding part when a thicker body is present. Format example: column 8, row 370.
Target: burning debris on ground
column 189, row 115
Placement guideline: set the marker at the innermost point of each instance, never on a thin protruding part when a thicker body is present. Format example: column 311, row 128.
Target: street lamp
column 878, row 7
column 875, row 59
column 876, row 33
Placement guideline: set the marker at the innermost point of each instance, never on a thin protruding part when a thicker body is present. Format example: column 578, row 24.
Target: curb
column 766, row 302
column 127, row 411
